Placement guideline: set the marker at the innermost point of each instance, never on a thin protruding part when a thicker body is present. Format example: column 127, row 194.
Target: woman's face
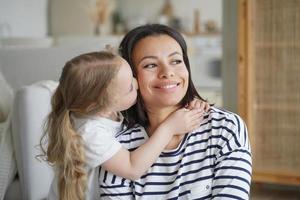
column 161, row 72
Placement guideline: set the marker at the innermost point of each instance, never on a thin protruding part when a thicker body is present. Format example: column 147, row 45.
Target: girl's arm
column 132, row 165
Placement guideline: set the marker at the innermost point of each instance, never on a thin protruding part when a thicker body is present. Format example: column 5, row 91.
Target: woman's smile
column 169, row 86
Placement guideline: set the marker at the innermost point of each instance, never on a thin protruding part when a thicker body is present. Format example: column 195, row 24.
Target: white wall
column 23, row 66
column 149, row 9
column 30, row 18
column 71, row 17
column 23, row 18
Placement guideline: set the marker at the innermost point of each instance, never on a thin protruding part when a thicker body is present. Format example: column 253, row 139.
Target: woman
column 213, row 161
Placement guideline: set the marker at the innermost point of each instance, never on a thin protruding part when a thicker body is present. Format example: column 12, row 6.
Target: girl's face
column 123, row 88
column 161, row 72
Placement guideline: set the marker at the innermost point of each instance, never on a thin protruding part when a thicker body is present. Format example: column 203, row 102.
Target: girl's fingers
column 195, row 125
column 207, row 107
column 195, row 112
column 197, row 119
column 202, row 105
column 194, row 120
column 198, row 116
column 197, row 105
column 192, row 104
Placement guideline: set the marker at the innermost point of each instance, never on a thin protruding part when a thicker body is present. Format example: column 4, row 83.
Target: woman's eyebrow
column 154, row 57
column 174, row 53
column 147, row 57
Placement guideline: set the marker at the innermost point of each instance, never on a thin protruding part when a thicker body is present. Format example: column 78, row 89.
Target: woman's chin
column 168, row 103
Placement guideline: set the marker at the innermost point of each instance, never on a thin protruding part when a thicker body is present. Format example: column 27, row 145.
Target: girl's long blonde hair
column 82, row 89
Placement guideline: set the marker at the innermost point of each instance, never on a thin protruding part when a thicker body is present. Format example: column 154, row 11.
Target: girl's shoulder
column 95, row 126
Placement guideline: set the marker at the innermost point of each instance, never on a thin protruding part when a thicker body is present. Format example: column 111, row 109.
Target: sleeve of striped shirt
column 114, row 187
column 234, row 164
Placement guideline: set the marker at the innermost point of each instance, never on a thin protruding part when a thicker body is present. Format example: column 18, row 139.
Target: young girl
column 85, row 117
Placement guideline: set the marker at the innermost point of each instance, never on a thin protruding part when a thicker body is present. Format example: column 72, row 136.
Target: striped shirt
column 211, row 162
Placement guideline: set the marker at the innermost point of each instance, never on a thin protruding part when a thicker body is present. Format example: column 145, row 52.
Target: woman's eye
column 148, row 66
column 175, row 62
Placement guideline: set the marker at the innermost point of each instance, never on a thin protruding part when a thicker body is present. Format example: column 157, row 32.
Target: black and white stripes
column 212, row 162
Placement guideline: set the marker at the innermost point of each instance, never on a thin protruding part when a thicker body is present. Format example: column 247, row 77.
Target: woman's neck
column 156, row 117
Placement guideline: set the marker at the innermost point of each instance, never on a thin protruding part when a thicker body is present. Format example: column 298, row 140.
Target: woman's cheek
column 142, row 85
column 144, row 78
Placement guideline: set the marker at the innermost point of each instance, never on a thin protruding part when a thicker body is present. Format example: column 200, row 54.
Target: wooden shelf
column 277, row 45
column 277, row 178
column 203, row 34
column 269, row 75
column 276, row 107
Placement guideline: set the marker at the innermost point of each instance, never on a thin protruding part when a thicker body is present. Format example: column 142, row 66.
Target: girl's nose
column 135, row 84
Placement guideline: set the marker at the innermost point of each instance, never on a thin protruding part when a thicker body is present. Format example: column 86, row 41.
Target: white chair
column 31, row 107
column 22, row 67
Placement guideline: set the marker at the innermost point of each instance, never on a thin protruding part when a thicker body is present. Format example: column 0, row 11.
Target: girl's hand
column 183, row 121
column 198, row 104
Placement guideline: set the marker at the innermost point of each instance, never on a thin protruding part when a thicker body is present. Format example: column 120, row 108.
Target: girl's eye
column 176, row 62
column 149, row 66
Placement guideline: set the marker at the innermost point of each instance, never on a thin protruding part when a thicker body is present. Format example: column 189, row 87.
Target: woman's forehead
column 156, row 45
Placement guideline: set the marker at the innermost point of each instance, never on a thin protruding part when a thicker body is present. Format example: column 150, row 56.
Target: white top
column 100, row 145
column 211, row 162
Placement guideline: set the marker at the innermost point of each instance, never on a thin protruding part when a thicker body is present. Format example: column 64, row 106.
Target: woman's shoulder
column 133, row 130
column 132, row 137
column 220, row 121
column 229, row 125
column 223, row 116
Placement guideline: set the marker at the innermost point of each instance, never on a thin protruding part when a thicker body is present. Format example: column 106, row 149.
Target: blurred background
column 244, row 54
column 43, row 23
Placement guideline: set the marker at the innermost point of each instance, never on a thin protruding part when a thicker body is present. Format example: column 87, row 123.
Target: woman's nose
column 166, row 72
